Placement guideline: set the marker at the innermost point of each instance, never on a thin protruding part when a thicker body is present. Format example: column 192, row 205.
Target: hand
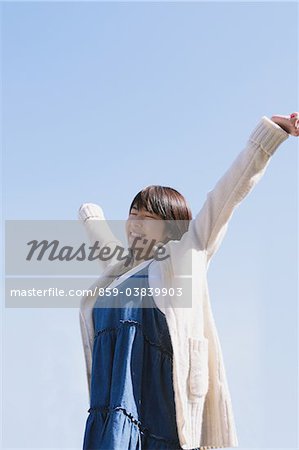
column 289, row 123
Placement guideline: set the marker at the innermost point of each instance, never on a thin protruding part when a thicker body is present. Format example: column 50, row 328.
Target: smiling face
column 144, row 230
column 157, row 214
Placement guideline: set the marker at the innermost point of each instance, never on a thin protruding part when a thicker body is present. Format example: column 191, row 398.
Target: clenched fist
column 289, row 123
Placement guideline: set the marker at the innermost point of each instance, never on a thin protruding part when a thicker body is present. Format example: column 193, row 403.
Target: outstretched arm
column 98, row 230
column 208, row 228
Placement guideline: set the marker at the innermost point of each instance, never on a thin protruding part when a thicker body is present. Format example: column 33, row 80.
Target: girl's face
column 144, row 229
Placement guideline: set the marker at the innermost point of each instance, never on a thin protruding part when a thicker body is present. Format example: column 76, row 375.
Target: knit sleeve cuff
column 268, row 135
column 90, row 211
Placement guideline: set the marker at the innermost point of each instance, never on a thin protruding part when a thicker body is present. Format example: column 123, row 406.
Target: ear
column 170, row 230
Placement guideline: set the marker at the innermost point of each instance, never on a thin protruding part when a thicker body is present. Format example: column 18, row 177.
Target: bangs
column 150, row 199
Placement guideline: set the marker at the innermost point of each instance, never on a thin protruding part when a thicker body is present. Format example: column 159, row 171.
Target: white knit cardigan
column 203, row 405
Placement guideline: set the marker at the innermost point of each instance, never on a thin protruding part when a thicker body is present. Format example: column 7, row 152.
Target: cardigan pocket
column 198, row 368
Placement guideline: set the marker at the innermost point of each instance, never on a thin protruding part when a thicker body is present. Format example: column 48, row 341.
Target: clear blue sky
column 102, row 99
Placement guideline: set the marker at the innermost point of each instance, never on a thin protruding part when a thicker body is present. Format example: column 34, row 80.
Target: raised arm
column 98, row 230
column 208, row 228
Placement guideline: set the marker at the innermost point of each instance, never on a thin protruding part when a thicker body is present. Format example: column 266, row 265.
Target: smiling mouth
column 136, row 235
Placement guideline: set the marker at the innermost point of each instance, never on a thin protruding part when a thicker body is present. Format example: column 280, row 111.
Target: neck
column 135, row 259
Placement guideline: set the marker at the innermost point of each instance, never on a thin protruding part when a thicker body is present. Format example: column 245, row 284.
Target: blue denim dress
column 131, row 399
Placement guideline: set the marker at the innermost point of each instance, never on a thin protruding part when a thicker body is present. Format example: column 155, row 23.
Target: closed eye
column 147, row 216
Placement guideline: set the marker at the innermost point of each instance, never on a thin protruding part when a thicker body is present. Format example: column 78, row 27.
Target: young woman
column 154, row 364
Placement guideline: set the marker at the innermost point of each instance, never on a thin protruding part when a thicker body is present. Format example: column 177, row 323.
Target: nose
column 136, row 224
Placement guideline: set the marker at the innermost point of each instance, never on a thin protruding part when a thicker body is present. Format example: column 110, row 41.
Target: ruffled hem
column 117, row 429
column 126, row 325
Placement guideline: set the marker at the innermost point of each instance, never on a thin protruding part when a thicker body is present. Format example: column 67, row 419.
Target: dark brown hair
column 168, row 204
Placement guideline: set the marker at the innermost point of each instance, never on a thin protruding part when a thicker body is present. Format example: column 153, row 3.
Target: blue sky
column 102, row 99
